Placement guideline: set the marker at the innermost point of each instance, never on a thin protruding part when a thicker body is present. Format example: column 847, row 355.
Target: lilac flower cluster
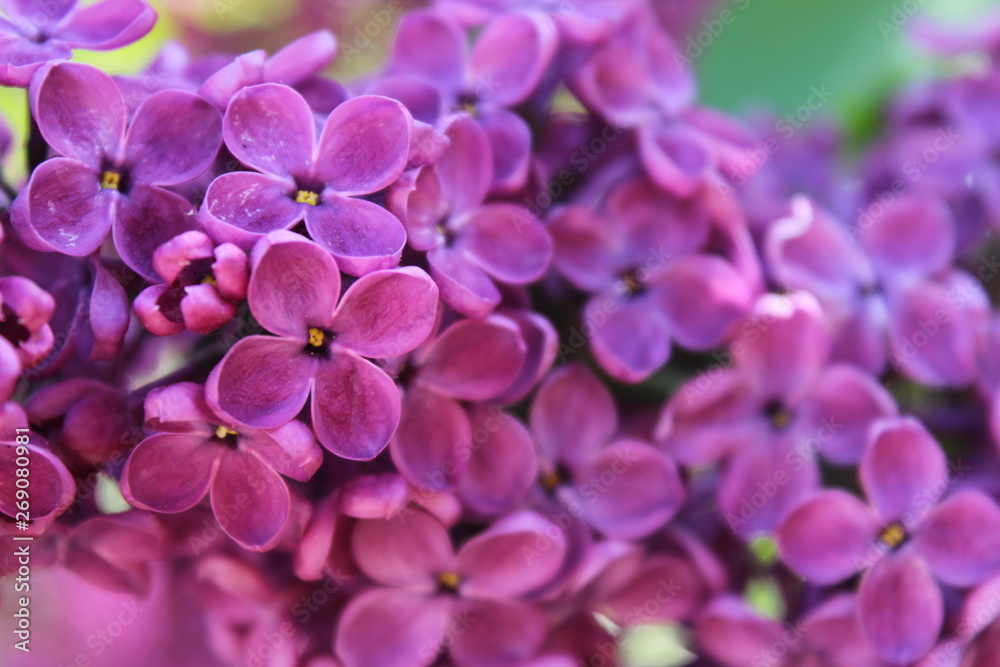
column 492, row 355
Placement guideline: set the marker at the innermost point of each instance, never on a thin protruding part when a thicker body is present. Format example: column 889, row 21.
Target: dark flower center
column 11, row 327
column 197, row 272
column 553, row 479
column 779, row 416
column 449, row 581
column 469, row 103
column 115, row 178
column 226, row 436
column 633, row 286
column 318, row 344
column 893, row 536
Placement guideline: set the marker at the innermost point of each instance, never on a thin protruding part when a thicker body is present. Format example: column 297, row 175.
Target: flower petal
column 628, row 490
column 241, row 206
column 270, row 127
column 355, row 407
column 108, row 25
column 502, row 466
column 294, row 285
column 914, row 237
column 387, row 313
column 263, row 381
column 960, row 539
column 364, row 145
column 507, row 242
column 290, row 449
column 573, row 414
column 464, row 168
column 410, row 550
column 172, row 139
column 431, row 445
column 516, row 555
column 250, row 500
column 493, row 633
column 631, row 337
column 508, row 75
column 463, row 285
column 392, row 628
column 904, row 471
column 474, row 360
column 63, row 208
column 80, row 112
column 362, row 235
column 900, row 608
column 827, row 538
column 152, row 478
column 146, row 219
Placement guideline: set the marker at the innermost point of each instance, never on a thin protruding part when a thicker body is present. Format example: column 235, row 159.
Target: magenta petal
column 173, row 138
column 510, row 143
column 628, row 490
column 474, row 360
column 516, row 555
column 410, row 550
column 146, row 219
column 63, row 208
column 204, row 310
column 784, row 345
column 936, row 328
column 387, row 313
column 290, row 449
column 914, row 237
column 153, row 480
column 306, row 56
column 900, row 608
column 707, row 285
column 464, row 168
column 431, row 47
column 250, row 500
column 52, row 487
column 362, row 235
column 573, row 415
column 733, row 634
column 355, row 406
column 463, row 285
column 364, row 145
column 631, row 337
column 263, row 381
column 502, row 466
column 392, row 628
column 180, row 408
column 763, row 482
column 960, row 539
column 80, row 112
column 507, row 242
column 904, row 471
column 674, row 158
column 827, row 538
column 431, row 444
column 109, row 315
column 240, row 206
column 493, row 633
column 270, row 128
column 378, row 496
column 840, row 409
column 294, row 285
column 109, row 24
column 511, row 74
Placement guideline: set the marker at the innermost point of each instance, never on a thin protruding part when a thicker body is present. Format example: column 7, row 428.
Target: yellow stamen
column 110, row 180
column 307, row 197
column 221, row 432
column 209, row 280
column 550, row 481
column 449, row 580
column 316, row 336
column 892, row 535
